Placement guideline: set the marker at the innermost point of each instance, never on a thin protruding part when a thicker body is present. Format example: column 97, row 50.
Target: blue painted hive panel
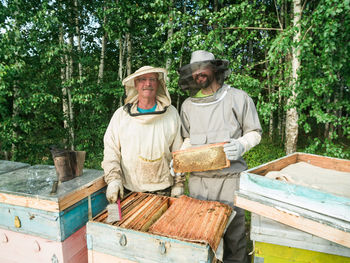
column 330, row 203
column 28, row 206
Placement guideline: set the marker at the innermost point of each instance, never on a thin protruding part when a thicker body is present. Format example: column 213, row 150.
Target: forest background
column 62, row 63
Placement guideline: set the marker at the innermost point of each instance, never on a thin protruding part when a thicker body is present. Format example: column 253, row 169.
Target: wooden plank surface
column 76, row 216
column 51, row 225
column 337, row 164
column 32, row 186
column 19, row 247
column 143, row 247
column 69, row 192
column 265, row 230
column 80, row 194
column 325, row 227
column 275, row 165
column 98, row 257
column 298, row 195
column 285, row 254
column 30, row 202
column 341, row 165
column 49, row 205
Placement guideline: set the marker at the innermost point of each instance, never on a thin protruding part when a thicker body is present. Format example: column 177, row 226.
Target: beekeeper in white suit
column 214, row 113
column 140, row 138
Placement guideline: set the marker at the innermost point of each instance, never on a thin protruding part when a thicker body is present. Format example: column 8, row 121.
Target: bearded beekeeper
column 214, row 113
column 140, row 138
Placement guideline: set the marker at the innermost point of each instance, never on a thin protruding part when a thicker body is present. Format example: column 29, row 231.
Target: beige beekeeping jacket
column 137, row 147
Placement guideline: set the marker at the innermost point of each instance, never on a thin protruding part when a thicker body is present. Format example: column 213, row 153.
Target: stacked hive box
column 276, row 242
column 39, row 226
column 304, row 191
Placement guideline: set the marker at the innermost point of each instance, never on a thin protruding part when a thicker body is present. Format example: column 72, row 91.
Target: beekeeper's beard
column 205, row 83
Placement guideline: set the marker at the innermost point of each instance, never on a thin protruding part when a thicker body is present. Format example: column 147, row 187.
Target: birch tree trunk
column 15, row 113
column 121, row 59
column 70, row 104
column 15, row 110
column 103, row 50
column 129, row 49
column 280, row 111
column 292, row 114
column 65, row 108
column 77, row 31
column 182, row 47
column 326, row 127
column 270, row 91
column 170, row 34
column 121, row 72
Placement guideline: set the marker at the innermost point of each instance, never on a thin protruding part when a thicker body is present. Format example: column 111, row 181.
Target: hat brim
column 129, row 80
column 186, row 80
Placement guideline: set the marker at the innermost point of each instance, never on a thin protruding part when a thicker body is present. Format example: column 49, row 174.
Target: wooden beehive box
column 26, row 205
column 304, row 207
column 19, row 247
column 145, row 235
column 276, row 242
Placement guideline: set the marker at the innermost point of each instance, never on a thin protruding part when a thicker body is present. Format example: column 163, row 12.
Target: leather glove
column 177, row 190
column 114, row 189
column 233, row 150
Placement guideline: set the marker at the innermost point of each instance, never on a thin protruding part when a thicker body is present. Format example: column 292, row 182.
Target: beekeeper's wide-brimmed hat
column 201, row 56
column 129, row 81
column 200, row 59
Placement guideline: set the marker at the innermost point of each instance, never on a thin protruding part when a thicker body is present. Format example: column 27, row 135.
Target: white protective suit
column 137, row 147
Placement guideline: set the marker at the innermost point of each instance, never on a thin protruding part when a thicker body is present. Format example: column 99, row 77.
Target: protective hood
column 202, row 59
column 162, row 97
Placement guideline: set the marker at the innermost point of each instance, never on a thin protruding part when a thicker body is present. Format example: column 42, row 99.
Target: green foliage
column 32, row 59
column 264, row 152
column 328, row 148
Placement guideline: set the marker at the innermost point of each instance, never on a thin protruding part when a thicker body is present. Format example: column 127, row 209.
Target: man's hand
column 114, row 189
column 177, row 190
column 233, row 150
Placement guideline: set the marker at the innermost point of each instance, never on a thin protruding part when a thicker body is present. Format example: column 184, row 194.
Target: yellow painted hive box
column 278, row 243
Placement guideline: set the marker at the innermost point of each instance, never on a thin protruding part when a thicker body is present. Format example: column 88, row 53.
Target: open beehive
column 319, row 204
column 178, row 225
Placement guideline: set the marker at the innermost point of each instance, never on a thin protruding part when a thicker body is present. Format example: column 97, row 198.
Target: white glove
column 114, row 189
column 233, row 150
column 186, row 144
column 177, row 190
column 172, row 172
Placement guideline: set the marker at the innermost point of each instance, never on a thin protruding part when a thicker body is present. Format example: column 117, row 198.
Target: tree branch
column 254, row 28
column 307, row 31
column 278, row 16
column 302, row 8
